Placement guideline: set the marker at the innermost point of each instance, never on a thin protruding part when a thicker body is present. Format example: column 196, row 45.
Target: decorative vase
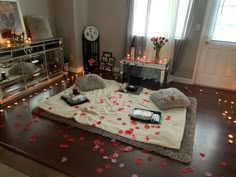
column 157, row 54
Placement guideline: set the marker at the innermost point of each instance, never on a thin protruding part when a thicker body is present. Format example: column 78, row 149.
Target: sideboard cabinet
column 25, row 67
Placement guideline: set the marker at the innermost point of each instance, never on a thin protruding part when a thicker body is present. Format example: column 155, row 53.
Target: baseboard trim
column 182, row 80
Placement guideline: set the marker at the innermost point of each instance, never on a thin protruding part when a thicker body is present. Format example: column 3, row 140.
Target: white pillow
column 18, row 68
column 169, row 98
column 90, row 82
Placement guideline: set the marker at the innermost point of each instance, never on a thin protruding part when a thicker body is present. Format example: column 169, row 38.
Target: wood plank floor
column 39, row 139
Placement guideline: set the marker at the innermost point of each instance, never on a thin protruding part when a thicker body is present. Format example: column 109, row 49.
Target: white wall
column 40, row 7
column 109, row 17
column 71, row 17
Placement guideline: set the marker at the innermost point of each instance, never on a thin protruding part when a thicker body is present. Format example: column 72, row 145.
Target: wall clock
column 91, row 33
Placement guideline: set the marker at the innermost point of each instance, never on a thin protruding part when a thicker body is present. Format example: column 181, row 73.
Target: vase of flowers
column 158, row 43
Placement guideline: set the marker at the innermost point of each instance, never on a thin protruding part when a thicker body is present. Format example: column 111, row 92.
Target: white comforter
column 110, row 110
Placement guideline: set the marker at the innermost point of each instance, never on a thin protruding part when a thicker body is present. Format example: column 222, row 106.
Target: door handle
column 208, row 39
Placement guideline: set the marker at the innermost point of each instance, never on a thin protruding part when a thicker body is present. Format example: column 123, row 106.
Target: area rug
column 184, row 154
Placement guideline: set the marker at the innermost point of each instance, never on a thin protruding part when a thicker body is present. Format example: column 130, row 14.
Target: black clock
column 90, row 42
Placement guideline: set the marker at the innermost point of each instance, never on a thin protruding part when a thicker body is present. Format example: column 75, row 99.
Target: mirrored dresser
column 28, row 66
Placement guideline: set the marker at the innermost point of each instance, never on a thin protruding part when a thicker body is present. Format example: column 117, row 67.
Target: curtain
column 180, row 44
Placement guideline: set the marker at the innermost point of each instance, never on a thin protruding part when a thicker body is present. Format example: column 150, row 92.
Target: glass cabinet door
column 34, row 69
column 11, row 78
column 54, row 62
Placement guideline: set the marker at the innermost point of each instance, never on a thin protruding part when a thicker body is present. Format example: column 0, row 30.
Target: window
column 148, row 17
column 225, row 25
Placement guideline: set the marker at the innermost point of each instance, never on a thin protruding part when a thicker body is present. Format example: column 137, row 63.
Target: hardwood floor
column 39, row 139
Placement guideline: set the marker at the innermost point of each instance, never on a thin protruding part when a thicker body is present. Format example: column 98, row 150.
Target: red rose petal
column 172, row 98
column 168, row 117
column 123, row 123
column 147, row 138
column 120, row 132
column 17, row 125
column 150, row 158
column 50, row 108
column 133, row 122
column 93, row 125
column 157, row 133
column 59, row 131
column 146, row 126
column 71, row 140
column 108, row 166
column 81, row 138
column 102, row 117
column 99, row 170
column 202, row 154
column 120, row 109
column 137, row 127
column 145, row 93
column 224, row 164
column 99, row 122
column 144, row 151
column 119, row 118
column 163, row 163
column 83, row 114
column 76, row 107
column 138, row 161
column 63, row 145
column 66, row 136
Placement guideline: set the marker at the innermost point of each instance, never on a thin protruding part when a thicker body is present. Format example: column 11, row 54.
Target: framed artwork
column 102, row 66
column 104, row 59
column 107, row 54
column 11, row 21
column 108, row 68
column 111, row 61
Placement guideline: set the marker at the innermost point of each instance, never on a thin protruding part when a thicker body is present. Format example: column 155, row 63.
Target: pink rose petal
column 63, row 159
column 224, row 164
column 208, row 174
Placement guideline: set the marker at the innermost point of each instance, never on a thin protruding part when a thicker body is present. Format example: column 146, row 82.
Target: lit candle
column 128, row 55
column 231, row 141
column 230, row 136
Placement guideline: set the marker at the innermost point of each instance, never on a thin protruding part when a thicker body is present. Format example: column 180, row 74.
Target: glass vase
column 157, row 54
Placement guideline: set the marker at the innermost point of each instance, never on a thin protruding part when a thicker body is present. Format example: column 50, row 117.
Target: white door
column 217, row 63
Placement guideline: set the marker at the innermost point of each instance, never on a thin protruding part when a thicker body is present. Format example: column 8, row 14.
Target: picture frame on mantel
column 11, row 20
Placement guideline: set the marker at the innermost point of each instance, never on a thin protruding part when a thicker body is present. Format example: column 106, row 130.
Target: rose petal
column 147, row 126
column 163, row 163
column 168, row 117
column 121, row 165
column 71, row 140
column 113, row 160
column 17, row 125
column 63, row 159
column 224, row 164
column 150, row 158
column 105, row 157
column 108, row 166
column 134, row 175
column 119, row 118
column 138, row 161
column 81, row 138
column 202, row 154
column 208, row 174
column 99, row 170
column 157, row 133
column 63, row 146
